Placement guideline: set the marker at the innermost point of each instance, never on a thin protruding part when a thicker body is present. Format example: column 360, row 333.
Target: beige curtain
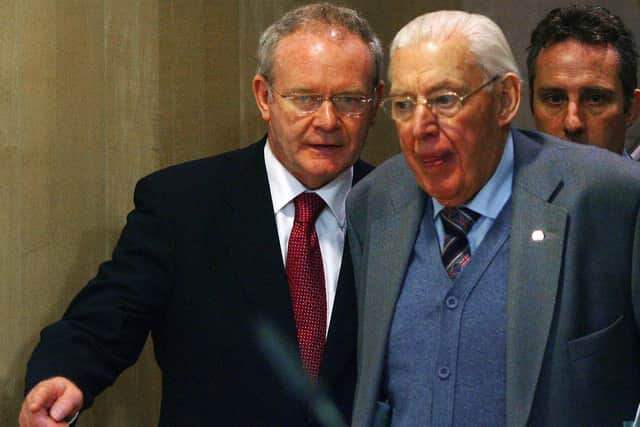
column 95, row 94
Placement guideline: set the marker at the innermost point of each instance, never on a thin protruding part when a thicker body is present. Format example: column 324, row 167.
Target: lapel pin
column 537, row 235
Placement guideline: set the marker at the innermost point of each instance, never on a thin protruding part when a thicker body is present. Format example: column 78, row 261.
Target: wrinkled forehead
column 575, row 64
column 574, row 53
column 427, row 65
column 319, row 31
column 314, row 39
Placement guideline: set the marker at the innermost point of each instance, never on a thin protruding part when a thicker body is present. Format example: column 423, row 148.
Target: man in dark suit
column 497, row 271
column 207, row 251
column 583, row 86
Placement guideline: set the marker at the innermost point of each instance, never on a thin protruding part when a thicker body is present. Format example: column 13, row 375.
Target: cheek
column 614, row 117
column 357, row 132
column 407, row 145
column 545, row 118
column 610, row 127
column 405, row 135
column 471, row 149
column 296, row 131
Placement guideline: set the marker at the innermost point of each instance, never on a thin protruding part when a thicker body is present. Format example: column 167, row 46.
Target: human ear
column 509, row 98
column 261, row 94
column 634, row 109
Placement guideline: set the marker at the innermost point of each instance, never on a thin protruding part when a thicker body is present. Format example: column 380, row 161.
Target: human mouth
column 325, row 147
column 578, row 139
column 435, row 160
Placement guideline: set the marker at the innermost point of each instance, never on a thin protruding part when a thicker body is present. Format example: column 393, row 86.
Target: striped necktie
column 455, row 253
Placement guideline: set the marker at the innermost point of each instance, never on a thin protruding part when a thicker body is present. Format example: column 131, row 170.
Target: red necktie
column 306, row 281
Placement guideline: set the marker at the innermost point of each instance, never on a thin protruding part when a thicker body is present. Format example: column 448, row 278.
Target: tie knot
column 458, row 220
column 308, row 207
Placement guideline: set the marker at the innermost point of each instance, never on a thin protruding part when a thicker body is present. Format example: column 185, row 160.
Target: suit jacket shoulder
column 239, row 171
column 229, row 171
column 197, row 264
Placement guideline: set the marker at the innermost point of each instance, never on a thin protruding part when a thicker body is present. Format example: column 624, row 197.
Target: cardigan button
column 444, row 372
column 451, row 302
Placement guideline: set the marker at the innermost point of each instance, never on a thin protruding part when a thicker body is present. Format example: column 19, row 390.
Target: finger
column 42, row 396
column 67, row 405
column 59, row 397
column 37, row 419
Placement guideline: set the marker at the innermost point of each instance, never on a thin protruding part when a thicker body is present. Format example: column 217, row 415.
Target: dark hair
column 322, row 13
column 593, row 25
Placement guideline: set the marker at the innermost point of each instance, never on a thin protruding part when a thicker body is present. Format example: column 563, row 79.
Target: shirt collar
column 285, row 187
column 496, row 192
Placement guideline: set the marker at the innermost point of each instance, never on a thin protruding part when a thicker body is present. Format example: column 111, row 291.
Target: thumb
column 69, row 402
column 59, row 395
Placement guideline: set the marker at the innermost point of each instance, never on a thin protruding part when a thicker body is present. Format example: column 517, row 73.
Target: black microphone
column 281, row 355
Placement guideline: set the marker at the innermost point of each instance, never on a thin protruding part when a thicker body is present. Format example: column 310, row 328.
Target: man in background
column 215, row 244
column 497, row 271
column 582, row 64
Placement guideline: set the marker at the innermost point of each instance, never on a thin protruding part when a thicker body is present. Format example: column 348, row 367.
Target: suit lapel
column 392, row 237
column 341, row 339
column 535, row 261
column 253, row 236
column 252, row 232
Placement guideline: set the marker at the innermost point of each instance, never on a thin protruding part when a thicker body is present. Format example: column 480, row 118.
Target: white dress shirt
column 330, row 225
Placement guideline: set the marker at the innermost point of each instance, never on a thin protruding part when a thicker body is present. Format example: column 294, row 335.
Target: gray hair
column 487, row 42
column 317, row 13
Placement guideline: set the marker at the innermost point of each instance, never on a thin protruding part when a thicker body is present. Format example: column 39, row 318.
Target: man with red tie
column 215, row 244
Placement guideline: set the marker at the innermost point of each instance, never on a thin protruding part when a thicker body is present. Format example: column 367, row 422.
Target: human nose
column 326, row 115
column 573, row 122
column 424, row 121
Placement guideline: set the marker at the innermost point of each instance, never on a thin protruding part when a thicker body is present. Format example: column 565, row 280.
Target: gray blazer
column 573, row 304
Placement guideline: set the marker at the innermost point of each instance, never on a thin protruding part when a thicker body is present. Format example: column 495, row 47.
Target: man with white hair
column 497, row 271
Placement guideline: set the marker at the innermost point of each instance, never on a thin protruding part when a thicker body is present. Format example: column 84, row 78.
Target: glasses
column 447, row 104
column 347, row 105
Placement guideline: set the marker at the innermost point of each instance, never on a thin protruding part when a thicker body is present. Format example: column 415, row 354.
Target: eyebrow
column 443, row 85
column 307, row 91
column 550, row 89
column 581, row 89
column 597, row 89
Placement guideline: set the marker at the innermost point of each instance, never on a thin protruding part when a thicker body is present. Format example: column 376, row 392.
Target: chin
column 448, row 197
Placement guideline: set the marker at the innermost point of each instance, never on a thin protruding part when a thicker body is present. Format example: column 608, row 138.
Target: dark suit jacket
column 197, row 263
column 573, row 298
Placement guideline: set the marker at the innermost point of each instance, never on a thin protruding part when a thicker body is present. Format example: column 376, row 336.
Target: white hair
column 487, row 42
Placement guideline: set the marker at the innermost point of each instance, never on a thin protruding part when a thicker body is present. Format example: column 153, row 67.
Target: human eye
column 349, row 103
column 445, row 101
column 403, row 104
column 553, row 98
column 349, row 99
column 306, row 102
column 597, row 98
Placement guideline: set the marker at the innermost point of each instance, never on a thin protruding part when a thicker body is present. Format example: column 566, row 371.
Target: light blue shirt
column 488, row 202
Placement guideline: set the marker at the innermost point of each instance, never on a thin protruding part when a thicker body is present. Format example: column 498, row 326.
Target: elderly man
column 497, row 270
column 215, row 244
column 582, row 65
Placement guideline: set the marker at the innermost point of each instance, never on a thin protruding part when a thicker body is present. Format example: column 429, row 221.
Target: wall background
column 95, row 94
